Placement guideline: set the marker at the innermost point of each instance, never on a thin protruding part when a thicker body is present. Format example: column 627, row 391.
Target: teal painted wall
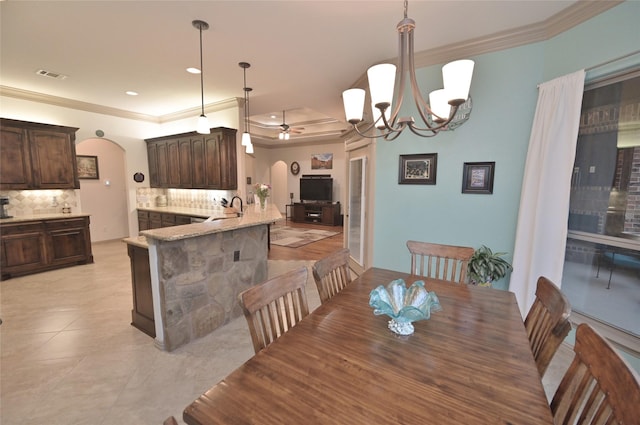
column 504, row 92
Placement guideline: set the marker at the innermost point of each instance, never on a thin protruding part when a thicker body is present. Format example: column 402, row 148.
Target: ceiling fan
column 286, row 130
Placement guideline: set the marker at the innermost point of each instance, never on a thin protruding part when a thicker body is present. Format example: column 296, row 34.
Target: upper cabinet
column 194, row 161
column 37, row 156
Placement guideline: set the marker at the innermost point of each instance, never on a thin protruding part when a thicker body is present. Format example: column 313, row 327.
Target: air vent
column 51, row 74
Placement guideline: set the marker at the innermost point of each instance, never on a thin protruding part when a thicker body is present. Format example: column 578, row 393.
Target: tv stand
column 319, row 212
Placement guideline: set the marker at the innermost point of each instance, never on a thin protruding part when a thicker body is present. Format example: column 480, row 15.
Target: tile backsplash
column 147, row 197
column 33, row 202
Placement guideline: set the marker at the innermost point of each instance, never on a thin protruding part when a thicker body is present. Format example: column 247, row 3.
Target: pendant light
column 440, row 114
column 203, row 123
column 246, row 136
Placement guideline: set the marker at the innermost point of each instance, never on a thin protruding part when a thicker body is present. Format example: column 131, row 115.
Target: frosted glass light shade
column 353, row 100
column 382, row 79
column 439, row 104
column 246, row 139
column 249, row 148
column 203, row 125
column 457, row 79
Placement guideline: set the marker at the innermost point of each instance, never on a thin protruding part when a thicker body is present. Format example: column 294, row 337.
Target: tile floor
column 69, row 355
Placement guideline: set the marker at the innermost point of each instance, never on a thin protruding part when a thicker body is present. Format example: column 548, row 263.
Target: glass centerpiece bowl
column 403, row 305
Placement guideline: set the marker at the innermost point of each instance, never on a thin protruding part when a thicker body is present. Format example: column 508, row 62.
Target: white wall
column 106, row 198
column 266, row 158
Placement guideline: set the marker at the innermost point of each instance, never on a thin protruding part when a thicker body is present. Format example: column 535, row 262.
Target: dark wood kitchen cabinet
column 35, row 246
column 194, row 161
column 155, row 220
column 37, row 156
column 142, row 312
column 23, row 248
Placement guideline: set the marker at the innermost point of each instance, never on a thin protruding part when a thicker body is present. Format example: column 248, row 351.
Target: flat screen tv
column 316, row 189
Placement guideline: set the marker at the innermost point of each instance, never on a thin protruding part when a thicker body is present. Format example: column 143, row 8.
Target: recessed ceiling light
column 272, row 116
column 193, row 70
column 131, row 93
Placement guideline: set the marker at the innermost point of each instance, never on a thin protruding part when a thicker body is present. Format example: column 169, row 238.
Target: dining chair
column 332, row 274
column 547, row 322
column 445, row 262
column 599, row 387
column 275, row 306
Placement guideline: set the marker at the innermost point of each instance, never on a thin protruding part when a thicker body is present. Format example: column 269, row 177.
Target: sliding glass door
column 602, row 261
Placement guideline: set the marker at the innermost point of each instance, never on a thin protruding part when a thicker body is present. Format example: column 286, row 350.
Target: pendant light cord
column 201, row 74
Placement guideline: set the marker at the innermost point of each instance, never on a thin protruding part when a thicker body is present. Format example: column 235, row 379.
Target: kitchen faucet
column 231, row 204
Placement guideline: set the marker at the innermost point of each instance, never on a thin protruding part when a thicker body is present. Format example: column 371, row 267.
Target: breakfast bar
column 197, row 271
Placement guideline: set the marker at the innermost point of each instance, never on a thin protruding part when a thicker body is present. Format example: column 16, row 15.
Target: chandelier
column 203, row 123
column 440, row 114
column 246, row 136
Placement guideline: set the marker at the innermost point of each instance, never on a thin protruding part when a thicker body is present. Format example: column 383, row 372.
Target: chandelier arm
column 386, row 134
column 425, row 132
column 390, row 137
column 435, row 128
column 399, row 90
column 390, row 127
column 355, row 127
column 421, row 104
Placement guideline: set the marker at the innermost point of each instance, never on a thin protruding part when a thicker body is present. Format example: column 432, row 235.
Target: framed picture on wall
column 418, row 168
column 321, row 161
column 477, row 177
column 87, row 167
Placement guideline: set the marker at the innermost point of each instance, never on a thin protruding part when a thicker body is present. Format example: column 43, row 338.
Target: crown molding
column 121, row 113
column 576, row 14
column 74, row 104
column 195, row 111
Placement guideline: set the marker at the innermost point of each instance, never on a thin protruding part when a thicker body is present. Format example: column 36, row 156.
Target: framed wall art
column 418, row 168
column 87, row 167
column 477, row 177
column 321, row 161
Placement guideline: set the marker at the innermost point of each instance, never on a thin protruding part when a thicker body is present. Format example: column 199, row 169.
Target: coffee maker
column 4, row 204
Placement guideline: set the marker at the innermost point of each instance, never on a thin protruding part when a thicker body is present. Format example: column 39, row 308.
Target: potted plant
column 486, row 266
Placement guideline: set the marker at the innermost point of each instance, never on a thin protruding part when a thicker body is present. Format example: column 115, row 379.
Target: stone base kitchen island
column 197, row 271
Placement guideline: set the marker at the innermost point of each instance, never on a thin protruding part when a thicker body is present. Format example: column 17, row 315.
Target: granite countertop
column 222, row 222
column 41, row 217
column 191, row 212
column 139, row 241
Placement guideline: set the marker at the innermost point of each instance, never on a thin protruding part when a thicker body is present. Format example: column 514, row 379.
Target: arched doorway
column 105, row 198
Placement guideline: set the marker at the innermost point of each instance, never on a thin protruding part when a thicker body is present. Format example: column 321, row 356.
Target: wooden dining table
column 470, row 363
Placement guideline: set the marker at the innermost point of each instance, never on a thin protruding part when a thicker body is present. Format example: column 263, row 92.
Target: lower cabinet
column 40, row 245
column 155, row 220
column 319, row 213
column 23, row 248
column 142, row 312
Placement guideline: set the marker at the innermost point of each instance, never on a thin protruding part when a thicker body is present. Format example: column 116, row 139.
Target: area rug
column 296, row 237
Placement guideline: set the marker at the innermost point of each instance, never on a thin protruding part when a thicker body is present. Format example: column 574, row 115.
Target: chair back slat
column 332, row 274
column 599, row 387
column 445, row 262
column 547, row 322
column 275, row 306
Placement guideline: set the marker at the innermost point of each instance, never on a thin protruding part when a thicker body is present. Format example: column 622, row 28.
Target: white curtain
column 541, row 233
